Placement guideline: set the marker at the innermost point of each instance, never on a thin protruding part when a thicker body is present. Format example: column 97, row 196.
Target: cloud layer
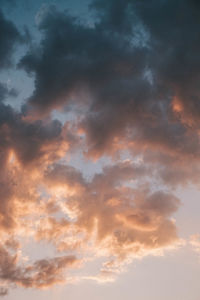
column 127, row 83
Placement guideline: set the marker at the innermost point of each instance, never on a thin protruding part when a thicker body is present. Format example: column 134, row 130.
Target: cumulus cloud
column 128, row 85
column 120, row 221
column 108, row 62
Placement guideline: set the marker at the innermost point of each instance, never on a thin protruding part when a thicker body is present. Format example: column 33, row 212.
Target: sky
column 99, row 149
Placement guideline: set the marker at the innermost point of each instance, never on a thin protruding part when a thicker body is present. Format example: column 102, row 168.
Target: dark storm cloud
column 173, row 59
column 174, row 27
column 5, row 92
column 27, row 139
column 9, row 37
column 115, row 15
column 73, row 57
column 134, row 61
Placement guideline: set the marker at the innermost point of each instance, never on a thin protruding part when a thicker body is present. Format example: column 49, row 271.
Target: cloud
column 41, row 274
column 123, row 222
column 127, row 85
column 80, row 51
column 102, row 217
column 109, row 63
column 9, row 38
column 195, row 242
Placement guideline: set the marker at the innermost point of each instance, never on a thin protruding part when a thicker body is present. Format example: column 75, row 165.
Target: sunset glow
column 99, row 149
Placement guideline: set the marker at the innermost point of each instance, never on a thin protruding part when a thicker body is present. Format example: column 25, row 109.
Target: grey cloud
column 9, row 37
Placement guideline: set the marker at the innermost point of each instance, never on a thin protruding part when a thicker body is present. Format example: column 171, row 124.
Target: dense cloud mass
column 127, row 83
column 9, row 37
